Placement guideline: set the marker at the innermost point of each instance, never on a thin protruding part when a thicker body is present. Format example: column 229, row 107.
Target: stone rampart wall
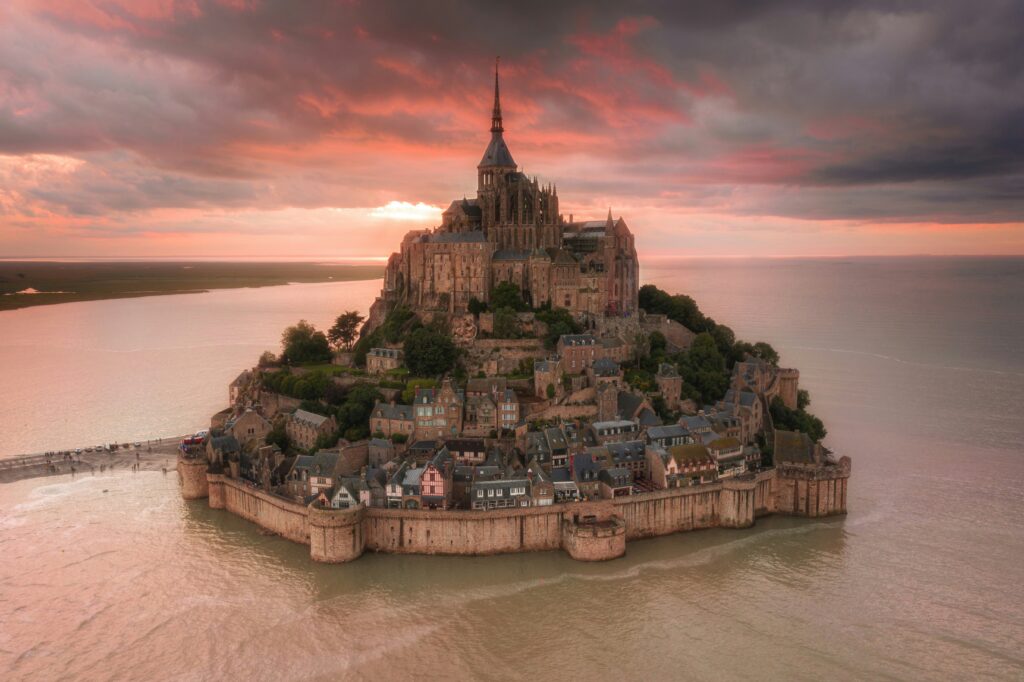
column 337, row 536
column 288, row 519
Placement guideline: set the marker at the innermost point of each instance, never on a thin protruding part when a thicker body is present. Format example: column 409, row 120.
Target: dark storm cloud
column 249, row 96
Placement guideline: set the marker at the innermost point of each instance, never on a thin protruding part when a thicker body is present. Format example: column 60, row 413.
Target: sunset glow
column 225, row 128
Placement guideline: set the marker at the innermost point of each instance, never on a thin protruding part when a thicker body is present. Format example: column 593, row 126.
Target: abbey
column 513, row 232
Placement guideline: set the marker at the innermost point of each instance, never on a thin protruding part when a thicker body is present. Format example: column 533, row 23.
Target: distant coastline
column 25, row 284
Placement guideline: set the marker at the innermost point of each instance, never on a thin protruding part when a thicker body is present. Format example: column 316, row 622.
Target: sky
column 274, row 128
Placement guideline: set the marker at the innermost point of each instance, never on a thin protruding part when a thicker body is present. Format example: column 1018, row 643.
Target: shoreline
column 155, row 455
column 30, row 284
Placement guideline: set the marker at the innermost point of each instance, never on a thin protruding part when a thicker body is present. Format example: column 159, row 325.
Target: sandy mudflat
column 151, row 456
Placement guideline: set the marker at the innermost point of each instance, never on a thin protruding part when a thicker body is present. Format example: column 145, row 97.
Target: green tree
column 304, row 344
column 475, row 306
column 429, row 352
column 278, row 436
column 559, row 321
column 550, row 391
column 796, row 420
column 703, row 367
column 508, row 295
column 803, row 399
column 345, row 330
column 506, row 324
column 766, row 352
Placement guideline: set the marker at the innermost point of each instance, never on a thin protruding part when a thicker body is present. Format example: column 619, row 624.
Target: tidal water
column 915, row 365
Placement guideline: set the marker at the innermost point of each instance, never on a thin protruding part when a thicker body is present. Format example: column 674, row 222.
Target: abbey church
column 513, row 232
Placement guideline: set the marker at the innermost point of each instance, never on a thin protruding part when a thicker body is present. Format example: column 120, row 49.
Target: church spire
column 496, row 126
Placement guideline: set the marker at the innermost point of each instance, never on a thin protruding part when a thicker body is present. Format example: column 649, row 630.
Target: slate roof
column 324, row 462
column 629, row 403
column 794, row 446
column 388, row 411
column 497, row 153
column 667, row 431
column 616, row 477
column 630, row 451
column 315, row 420
column 577, row 340
column 695, row 423
column 605, row 368
column 648, row 417
column 624, row 424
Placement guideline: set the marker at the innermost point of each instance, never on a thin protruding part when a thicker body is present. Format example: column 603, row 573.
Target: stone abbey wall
column 586, row 530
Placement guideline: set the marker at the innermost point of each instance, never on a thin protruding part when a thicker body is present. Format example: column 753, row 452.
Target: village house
column 578, row 352
column 696, row 425
column 222, row 450
column 508, row 410
column 614, row 482
column 436, row 481
column 481, row 416
column 379, row 451
column 728, row 454
column 558, row 445
column 411, row 488
column 320, row 471
column 537, row 447
column 584, row 472
column 486, row 386
column 500, row 493
column 630, row 455
column 422, row 451
column 668, row 435
column 564, row 485
column 238, row 386
column 604, row 371
column 393, row 490
column 250, row 429
column 542, row 489
column 467, row 451
column 438, row 411
column 615, row 431
column 345, row 496
column 304, row 428
column 390, row 419
column 383, row 360
column 692, row 464
column 747, row 408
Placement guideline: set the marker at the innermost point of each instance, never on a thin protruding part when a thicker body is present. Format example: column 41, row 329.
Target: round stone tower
column 192, row 477
column 736, row 503
column 336, row 535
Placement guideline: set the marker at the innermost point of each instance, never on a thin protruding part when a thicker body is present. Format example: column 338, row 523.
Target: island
column 513, row 388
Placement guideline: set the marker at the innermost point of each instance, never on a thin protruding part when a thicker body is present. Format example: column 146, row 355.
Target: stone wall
column 809, row 490
column 192, row 478
column 335, row 535
column 288, row 519
column 501, row 356
column 586, row 530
